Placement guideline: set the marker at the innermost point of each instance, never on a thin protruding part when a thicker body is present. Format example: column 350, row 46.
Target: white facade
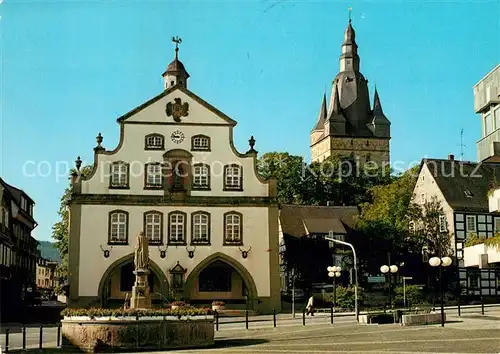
column 177, row 177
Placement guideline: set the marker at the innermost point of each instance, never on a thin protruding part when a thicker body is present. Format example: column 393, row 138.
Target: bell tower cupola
column 175, row 74
column 349, row 59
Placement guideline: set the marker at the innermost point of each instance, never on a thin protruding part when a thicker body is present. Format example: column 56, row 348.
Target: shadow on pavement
column 219, row 343
column 231, row 343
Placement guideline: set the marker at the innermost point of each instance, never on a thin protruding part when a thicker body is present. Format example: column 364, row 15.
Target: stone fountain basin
column 108, row 334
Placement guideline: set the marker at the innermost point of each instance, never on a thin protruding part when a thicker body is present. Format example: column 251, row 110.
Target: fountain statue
column 141, row 298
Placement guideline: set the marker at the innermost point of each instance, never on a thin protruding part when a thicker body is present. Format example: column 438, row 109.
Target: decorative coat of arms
column 177, row 109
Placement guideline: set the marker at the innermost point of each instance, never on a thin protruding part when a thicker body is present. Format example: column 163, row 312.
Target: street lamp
column 404, row 289
column 334, row 272
column 355, row 259
column 389, row 269
column 441, row 262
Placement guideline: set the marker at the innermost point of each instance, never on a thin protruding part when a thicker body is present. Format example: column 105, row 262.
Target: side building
column 464, row 190
column 304, row 252
column 487, row 104
column 211, row 219
column 18, row 251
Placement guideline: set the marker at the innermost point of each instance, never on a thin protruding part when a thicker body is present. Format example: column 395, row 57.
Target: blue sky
column 70, row 68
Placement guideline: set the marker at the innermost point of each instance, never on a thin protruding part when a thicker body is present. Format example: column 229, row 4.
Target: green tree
column 391, row 203
column 60, row 231
column 288, row 171
column 429, row 230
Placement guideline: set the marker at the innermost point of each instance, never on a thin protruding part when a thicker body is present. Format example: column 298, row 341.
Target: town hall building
column 348, row 126
column 210, row 218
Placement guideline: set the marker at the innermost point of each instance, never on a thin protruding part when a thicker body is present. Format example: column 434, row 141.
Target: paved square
column 470, row 333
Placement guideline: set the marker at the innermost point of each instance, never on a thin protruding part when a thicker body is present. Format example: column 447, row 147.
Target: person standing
column 310, row 306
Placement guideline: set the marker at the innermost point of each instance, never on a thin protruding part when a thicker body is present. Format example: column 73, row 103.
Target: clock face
column 177, row 137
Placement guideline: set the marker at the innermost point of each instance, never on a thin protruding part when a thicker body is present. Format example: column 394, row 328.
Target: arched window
column 233, row 229
column 153, row 227
column 154, row 142
column 200, row 143
column 201, row 176
column 177, row 228
column 368, row 157
column 118, row 227
column 119, row 175
column 200, row 228
column 233, row 177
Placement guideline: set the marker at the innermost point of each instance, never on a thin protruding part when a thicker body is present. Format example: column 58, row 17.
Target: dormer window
column 233, row 177
column 200, row 143
column 154, row 142
column 119, row 175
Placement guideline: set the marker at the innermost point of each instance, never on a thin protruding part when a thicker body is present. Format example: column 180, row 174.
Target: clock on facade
column 177, row 137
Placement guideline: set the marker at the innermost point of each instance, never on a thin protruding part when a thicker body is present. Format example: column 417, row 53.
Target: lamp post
column 389, row 269
column 441, row 262
column 404, row 289
column 331, row 238
column 334, row 272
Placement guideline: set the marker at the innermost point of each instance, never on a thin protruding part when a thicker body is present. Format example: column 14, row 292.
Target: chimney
column 451, row 157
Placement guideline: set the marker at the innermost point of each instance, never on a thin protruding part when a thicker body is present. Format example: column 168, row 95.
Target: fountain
column 139, row 327
column 141, row 297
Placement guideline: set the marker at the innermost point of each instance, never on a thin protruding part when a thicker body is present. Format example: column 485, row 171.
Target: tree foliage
column 336, row 180
column 60, row 230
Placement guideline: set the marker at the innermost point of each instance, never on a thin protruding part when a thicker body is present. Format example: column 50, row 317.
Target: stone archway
column 162, row 286
column 251, row 288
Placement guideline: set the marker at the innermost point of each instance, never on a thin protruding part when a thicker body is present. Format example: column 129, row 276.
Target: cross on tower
column 177, row 40
column 349, row 9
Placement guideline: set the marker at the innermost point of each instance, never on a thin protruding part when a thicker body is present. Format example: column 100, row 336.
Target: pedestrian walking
column 310, row 306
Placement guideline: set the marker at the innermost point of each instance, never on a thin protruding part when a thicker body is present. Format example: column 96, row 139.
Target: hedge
column 101, row 312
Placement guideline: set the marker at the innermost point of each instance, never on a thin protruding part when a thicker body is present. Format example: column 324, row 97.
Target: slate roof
column 298, row 220
column 454, row 178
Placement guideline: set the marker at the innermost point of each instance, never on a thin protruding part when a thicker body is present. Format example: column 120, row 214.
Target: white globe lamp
column 446, row 261
column 393, row 268
column 434, row 261
column 337, row 274
column 384, row 269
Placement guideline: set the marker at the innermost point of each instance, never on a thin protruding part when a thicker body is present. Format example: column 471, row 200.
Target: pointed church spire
column 322, row 111
column 336, row 101
column 377, row 106
column 320, row 123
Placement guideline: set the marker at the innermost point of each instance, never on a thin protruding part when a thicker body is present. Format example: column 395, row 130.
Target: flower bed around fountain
column 102, row 330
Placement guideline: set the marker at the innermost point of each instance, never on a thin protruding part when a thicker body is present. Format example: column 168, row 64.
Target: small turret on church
column 349, row 126
column 175, row 74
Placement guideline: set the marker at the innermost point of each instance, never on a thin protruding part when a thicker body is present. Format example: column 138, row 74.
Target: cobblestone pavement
column 470, row 333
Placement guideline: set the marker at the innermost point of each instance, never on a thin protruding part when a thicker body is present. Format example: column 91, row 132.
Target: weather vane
column 177, row 41
column 349, row 9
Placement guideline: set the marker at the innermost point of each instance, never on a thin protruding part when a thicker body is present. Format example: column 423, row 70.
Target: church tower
column 349, row 126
